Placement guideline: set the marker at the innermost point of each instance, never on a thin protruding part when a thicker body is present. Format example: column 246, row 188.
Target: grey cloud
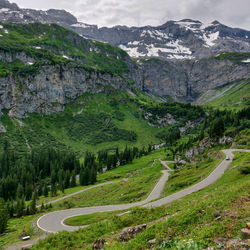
column 149, row 12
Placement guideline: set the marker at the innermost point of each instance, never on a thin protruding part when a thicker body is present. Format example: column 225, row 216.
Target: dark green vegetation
column 217, row 211
column 50, row 44
column 4, row 215
column 227, row 122
column 35, row 174
column 43, row 172
column 237, row 57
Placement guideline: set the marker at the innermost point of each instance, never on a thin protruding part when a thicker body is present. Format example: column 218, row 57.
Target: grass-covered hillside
column 25, row 48
column 232, row 96
column 212, row 217
column 99, row 121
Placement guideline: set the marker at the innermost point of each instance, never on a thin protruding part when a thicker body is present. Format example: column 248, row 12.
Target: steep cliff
column 187, row 80
column 45, row 66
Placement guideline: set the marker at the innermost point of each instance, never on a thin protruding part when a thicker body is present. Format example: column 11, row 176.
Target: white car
column 227, row 158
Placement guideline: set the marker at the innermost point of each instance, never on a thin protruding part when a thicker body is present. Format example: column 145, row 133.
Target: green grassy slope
column 50, row 44
column 219, row 210
column 93, row 122
column 232, row 96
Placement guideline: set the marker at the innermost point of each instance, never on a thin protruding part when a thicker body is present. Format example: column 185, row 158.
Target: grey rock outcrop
column 203, row 144
column 54, row 86
column 174, row 40
column 130, row 233
column 2, row 129
column 11, row 13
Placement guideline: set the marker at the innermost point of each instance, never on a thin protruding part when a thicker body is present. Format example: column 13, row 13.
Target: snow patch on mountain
column 133, row 52
column 4, row 10
column 246, row 61
column 210, row 39
column 174, row 49
column 81, row 25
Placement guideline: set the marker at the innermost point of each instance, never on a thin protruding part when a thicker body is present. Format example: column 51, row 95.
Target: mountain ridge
column 173, row 40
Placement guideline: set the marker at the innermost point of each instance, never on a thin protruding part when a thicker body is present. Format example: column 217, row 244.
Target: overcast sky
column 235, row 13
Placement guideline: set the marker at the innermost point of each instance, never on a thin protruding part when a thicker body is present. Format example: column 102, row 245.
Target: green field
column 179, row 179
column 90, row 218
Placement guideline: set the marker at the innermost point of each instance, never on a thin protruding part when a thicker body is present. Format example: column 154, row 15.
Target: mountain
column 45, row 66
column 185, row 39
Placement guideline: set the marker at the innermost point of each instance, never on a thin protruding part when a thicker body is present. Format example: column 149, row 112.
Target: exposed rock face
column 51, row 88
column 4, row 4
column 226, row 140
column 54, row 86
column 186, row 80
column 205, row 143
column 2, row 129
column 183, row 81
column 11, row 13
column 185, row 39
column 98, row 244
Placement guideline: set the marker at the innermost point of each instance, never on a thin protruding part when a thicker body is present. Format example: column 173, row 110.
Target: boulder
column 98, row 244
column 245, row 233
column 237, row 244
column 131, row 232
column 2, row 129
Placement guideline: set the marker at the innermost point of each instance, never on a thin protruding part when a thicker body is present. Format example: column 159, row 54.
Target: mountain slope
column 185, row 39
column 45, row 66
column 100, row 121
column 232, row 96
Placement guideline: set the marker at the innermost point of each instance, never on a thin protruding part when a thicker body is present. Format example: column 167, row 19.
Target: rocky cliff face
column 187, row 80
column 174, row 40
column 54, row 86
column 55, row 65
column 11, row 13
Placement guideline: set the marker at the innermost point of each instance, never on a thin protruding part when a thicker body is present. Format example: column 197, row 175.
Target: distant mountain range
column 185, row 39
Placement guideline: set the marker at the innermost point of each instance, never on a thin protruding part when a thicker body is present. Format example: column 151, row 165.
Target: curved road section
column 53, row 222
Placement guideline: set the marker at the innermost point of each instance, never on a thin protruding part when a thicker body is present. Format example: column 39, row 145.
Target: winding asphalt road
column 53, row 222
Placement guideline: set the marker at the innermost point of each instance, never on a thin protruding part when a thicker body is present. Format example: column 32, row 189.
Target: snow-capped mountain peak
column 184, row 39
